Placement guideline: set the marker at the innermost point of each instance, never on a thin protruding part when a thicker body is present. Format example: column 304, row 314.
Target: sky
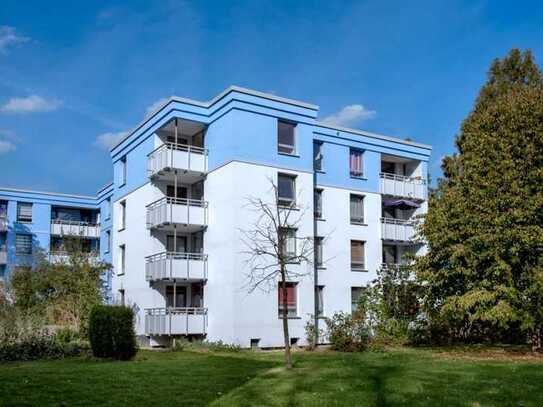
column 75, row 76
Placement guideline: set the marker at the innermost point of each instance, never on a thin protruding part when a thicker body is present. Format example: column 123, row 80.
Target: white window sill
column 359, row 223
column 359, row 270
column 289, row 154
column 360, row 177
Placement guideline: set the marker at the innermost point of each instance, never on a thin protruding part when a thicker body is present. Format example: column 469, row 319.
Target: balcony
column 74, row 228
column 3, row 223
column 181, row 266
column 402, row 186
column 397, row 229
column 3, row 255
column 62, row 257
column 176, row 321
column 189, row 215
column 191, row 160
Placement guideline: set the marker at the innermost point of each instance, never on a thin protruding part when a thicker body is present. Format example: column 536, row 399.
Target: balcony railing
column 402, row 186
column 61, row 256
column 176, row 321
column 75, row 228
column 3, row 222
column 3, row 256
column 172, row 265
column 168, row 211
column 397, row 229
column 170, row 156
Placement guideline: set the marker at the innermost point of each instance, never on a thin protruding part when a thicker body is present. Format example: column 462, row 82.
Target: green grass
column 404, row 377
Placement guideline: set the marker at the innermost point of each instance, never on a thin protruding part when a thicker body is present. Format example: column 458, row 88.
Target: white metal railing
column 168, row 210
column 3, row 256
column 3, row 222
column 75, row 228
column 176, row 265
column 62, row 256
column 400, row 185
column 397, row 229
column 170, row 156
column 176, row 321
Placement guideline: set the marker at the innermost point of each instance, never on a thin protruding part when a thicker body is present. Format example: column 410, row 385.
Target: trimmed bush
column 111, row 332
column 38, row 346
column 348, row 333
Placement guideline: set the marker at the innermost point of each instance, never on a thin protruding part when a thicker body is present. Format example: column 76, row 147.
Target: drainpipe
column 315, row 268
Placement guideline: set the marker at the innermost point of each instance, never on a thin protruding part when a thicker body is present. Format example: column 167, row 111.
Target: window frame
column 20, row 205
column 317, row 146
column 359, row 265
column 108, row 241
column 122, row 218
column 289, row 256
column 319, row 252
column 288, row 146
column 352, row 171
column 354, row 220
column 354, row 304
column 318, row 192
column 28, row 245
column 286, row 202
column 123, row 171
column 292, row 310
column 122, row 260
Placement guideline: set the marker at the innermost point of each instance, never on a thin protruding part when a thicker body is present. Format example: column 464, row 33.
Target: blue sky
column 75, row 75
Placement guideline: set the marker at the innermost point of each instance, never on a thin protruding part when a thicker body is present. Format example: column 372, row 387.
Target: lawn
column 405, row 377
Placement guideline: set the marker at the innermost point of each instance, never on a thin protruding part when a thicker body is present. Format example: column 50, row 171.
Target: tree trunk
column 536, row 339
column 288, row 357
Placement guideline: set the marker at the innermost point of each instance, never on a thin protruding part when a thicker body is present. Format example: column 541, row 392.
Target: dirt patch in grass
column 505, row 354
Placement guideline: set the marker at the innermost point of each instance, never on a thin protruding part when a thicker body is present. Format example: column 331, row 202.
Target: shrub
column 38, row 346
column 348, row 333
column 67, row 335
column 218, row 346
column 310, row 333
column 419, row 331
column 111, row 332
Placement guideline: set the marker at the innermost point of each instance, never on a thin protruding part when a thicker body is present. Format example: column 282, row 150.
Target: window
column 318, row 251
column 108, row 241
column 317, row 198
column 24, row 212
column 292, row 307
column 294, row 341
column 320, row 300
column 288, row 238
column 357, row 209
column 317, row 156
column 121, row 297
column 286, row 140
column 355, row 163
column 107, row 209
column 286, row 190
column 122, row 218
column 357, row 255
column 255, row 343
column 122, row 259
column 23, row 244
column 122, row 173
column 176, row 297
column 356, row 293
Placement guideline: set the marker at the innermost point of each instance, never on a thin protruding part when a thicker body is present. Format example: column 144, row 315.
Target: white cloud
column 151, row 108
column 6, row 146
column 30, row 104
column 350, row 115
column 9, row 37
column 108, row 140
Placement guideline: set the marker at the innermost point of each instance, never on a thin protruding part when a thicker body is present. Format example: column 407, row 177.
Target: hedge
column 111, row 332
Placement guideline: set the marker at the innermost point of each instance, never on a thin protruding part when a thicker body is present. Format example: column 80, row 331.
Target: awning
column 400, row 204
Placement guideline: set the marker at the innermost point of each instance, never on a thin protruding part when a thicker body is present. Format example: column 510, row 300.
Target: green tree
column 484, row 228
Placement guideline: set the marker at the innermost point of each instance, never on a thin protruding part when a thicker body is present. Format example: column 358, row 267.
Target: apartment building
column 171, row 222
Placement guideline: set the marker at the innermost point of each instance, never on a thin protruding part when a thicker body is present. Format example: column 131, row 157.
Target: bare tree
column 275, row 254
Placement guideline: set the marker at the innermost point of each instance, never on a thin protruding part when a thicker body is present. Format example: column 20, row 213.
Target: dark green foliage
column 111, row 332
column 211, row 346
column 38, row 346
column 483, row 273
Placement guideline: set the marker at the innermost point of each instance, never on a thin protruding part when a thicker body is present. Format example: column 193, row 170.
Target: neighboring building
column 178, row 203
